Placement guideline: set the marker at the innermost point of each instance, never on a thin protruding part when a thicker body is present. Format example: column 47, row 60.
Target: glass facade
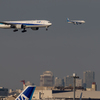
column 88, row 78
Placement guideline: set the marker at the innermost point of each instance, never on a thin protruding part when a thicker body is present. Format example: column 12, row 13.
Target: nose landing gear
column 46, row 28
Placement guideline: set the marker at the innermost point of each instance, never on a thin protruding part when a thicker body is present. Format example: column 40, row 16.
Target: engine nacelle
column 18, row 26
column 35, row 28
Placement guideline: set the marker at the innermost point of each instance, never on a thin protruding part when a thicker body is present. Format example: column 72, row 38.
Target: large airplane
column 27, row 93
column 33, row 24
column 75, row 21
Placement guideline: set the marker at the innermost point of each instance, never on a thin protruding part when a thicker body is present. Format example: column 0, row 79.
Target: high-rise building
column 88, row 78
column 59, row 82
column 78, row 82
column 3, row 92
column 47, row 79
column 68, row 81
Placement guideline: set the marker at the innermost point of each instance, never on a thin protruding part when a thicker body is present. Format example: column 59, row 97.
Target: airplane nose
column 50, row 24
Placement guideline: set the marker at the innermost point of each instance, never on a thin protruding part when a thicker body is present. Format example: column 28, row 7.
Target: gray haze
column 63, row 49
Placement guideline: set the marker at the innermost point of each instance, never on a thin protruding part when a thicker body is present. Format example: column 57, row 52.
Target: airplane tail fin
column 80, row 96
column 67, row 19
column 27, row 93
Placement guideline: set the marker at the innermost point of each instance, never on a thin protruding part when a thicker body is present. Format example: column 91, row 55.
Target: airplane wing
column 75, row 22
column 7, row 23
column 17, row 26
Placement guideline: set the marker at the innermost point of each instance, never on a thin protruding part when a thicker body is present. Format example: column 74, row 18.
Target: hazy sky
column 63, row 49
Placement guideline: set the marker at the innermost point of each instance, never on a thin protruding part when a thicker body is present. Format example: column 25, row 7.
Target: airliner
column 75, row 21
column 27, row 93
column 33, row 24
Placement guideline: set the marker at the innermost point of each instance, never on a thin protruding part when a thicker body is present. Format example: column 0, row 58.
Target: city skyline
column 48, row 79
column 69, row 83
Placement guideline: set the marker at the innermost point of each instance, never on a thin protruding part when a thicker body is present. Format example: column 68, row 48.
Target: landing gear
column 15, row 30
column 46, row 28
column 24, row 30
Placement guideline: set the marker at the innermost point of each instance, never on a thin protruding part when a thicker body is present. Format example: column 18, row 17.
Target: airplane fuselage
column 33, row 24
column 75, row 21
column 29, row 24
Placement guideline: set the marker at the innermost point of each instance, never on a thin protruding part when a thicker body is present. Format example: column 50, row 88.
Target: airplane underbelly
column 29, row 26
column 4, row 26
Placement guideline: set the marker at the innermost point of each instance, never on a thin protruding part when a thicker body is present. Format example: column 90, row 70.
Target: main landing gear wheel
column 15, row 30
column 24, row 31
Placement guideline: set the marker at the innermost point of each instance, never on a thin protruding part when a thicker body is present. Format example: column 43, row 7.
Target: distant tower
column 68, row 81
column 88, row 78
column 23, row 83
column 59, row 82
column 47, row 79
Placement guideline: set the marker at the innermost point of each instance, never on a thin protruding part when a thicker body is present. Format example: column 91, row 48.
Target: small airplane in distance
column 33, row 24
column 27, row 93
column 75, row 21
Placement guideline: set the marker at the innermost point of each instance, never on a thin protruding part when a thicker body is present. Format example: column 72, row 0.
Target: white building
column 78, row 82
column 42, row 94
column 47, row 79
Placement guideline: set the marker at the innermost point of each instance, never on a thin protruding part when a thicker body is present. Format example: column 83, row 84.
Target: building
column 86, row 95
column 3, row 92
column 68, row 81
column 94, row 86
column 42, row 94
column 78, row 82
column 88, row 78
column 47, row 79
column 49, row 93
column 45, row 93
column 59, row 82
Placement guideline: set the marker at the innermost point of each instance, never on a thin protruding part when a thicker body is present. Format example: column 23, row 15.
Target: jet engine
column 35, row 28
column 18, row 26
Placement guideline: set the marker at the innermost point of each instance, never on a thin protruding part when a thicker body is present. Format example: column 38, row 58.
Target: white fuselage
column 77, row 21
column 27, row 23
